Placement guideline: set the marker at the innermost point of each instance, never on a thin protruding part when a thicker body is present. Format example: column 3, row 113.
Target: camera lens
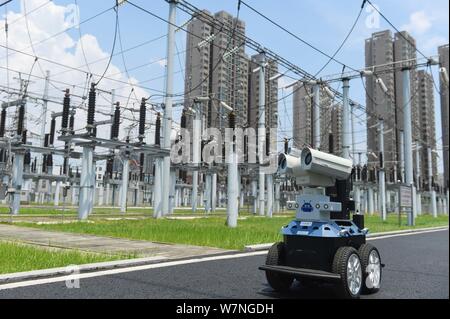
column 308, row 159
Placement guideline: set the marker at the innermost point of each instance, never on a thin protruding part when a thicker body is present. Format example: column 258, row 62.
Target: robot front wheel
column 360, row 270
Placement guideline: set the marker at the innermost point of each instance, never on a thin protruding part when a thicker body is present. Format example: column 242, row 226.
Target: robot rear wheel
column 275, row 257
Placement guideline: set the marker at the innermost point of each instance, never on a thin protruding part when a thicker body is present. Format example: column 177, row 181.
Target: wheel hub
column 354, row 274
column 374, row 270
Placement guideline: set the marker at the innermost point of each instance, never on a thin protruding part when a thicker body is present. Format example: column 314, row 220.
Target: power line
column 116, row 9
column 331, row 58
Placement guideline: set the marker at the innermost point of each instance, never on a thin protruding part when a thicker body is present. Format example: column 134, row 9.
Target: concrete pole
column 94, row 188
column 370, row 203
column 381, row 174
column 173, row 183
column 402, row 157
column 167, row 124
column 430, row 184
column 232, row 191
column 418, row 174
column 108, row 190
column 196, row 149
column 439, row 205
column 277, row 198
column 408, row 139
column 316, row 116
column 208, row 193
column 101, row 194
column 376, row 202
column 445, row 203
column 124, row 186
column 262, row 131
column 57, row 191
column 352, row 121
column 85, row 184
column 346, row 120
column 213, row 192
column 17, row 180
column 255, row 196
column 157, row 189
column 269, row 195
column 74, row 194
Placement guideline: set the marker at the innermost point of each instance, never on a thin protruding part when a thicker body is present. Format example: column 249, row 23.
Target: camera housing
column 313, row 168
column 325, row 164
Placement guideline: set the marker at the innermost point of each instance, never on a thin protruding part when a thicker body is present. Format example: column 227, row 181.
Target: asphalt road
column 417, row 266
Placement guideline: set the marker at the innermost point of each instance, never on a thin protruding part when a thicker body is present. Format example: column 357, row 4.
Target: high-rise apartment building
column 379, row 51
column 427, row 133
column 216, row 67
column 444, row 63
column 330, row 119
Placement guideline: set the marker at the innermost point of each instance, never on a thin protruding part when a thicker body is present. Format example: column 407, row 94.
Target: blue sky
column 323, row 23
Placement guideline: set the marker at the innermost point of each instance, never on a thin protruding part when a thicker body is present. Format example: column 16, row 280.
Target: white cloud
column 419, row 23
column 430, row 44
column 63, row 49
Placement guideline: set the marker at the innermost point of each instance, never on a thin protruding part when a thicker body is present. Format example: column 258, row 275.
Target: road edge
column 68, row 270
column 266, row 246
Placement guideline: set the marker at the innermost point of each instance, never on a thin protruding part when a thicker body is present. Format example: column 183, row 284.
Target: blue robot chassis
column 323, row 244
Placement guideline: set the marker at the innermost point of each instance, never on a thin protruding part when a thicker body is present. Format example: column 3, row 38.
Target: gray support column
column 269, row 195
column 124, row 186
column 167, row 124
column 255, row 196
column 232, row 191
column 208, row 193
column 277, row 198
column 381, row 174
column 430, row 184
column 346, row 134
column 17, row 181
column 196, row 149
column 418, row 174
column 402, row 157
column 57, row 191
column 85, row 184
column 316, row 116
column 262, row 131
column 157, row 189
column 214, row 192
column 407, row 123
column 94, row 187
column 370, row 200
column 173, row 183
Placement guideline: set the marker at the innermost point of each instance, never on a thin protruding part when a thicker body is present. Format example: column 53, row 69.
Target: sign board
column 405, row 196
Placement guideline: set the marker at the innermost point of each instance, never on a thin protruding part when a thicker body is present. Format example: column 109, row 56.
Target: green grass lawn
column 18, row 258
column 49, row 210
column 213, row 232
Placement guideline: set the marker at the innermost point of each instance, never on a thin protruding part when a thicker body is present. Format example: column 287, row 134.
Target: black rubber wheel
column 347, row 263
column 275, row 257
column 372, row 269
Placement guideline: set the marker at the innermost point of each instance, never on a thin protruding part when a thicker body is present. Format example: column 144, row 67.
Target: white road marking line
column 125, row 270
column 166, row 264
column 407, row 234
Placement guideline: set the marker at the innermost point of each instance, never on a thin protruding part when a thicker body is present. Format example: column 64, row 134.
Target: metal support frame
column 407, row 123
column 262, row 130
column 381, row 173
column 167, row 123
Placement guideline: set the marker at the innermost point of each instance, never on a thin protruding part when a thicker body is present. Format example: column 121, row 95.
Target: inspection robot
column 323, row 243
